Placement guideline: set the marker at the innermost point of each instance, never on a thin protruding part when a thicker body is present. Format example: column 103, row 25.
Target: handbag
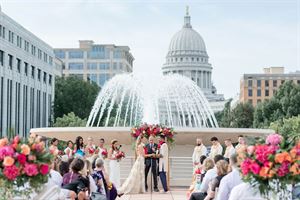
column 97, row 196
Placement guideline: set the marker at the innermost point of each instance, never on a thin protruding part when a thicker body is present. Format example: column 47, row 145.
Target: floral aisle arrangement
column 272, row 165
column 153, row 129
column 24, row 166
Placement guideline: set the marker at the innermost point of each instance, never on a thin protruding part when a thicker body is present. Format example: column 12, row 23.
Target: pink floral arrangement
column 271, row 161
column 23, row 162
column 146, row 130
column 120, row 155
column 104, row 153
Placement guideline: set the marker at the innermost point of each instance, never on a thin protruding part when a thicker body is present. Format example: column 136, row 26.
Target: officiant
column 151, row 162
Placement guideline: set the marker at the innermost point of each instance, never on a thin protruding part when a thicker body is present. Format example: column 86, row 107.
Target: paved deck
column 174, row 194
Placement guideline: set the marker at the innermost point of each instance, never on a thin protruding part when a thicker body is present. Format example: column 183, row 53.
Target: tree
column 284, row 104
column 289, row 128
column 74, row 95
column 224, row 118
column 242, row 116
column 70, row 120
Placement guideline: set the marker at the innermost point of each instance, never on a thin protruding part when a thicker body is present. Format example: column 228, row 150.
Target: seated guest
column 87, row 172
column 75, row 181
column 230, row 180
column 216, row 148
column 209, row 176
column 104, row 186
column 222, row 169
column 230, row 150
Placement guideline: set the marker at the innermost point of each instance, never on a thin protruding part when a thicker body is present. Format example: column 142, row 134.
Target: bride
column 135, row 182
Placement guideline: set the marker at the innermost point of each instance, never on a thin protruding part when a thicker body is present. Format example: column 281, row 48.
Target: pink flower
column 11, row 172
column 250, row 150
column 44, row 169
column 6, row 151
column 21, row 158
column 283, row 169
column 245, row 166
column 16, row 139
column 262, row 153
column 255, row 168
column 31, row 169
column 274, row 139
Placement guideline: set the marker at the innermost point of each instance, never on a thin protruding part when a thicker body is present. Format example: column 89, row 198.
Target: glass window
column 117, row 54
column 258, row 101
column 45, row 77
column 266, row 93
column 250, row 92
column 39, row 54
column 98, row 52
column 60, row 54
column 1, row 57
column 26, row 46
column 266, row 83
column 32, row 72
column 76, row 54
column 26, row 68
column 258, row 83
column 33, row 50
column 103, row 78
column 259, row 92
column 45, row 57
column 39, row 74
column 50, row 60
column 50, row 79
column 115, row 66
column 92, row 78
column 121, row 66
column 10, row 61
column 75, row 66
column 18, row 65
column 298, row 82
column 92, row 66
column 250, row 101
column 274, row 83
column 104, row 65
column 249, row 83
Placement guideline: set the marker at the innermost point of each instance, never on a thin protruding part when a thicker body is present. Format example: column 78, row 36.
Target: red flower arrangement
column 120, row 155
column 273, row 161
column 104, row 154
column 23, row 162
column 155, row 130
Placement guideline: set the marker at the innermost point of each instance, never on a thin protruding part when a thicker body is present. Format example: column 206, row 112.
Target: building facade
column 187, row 56
column 255, row 88
column 95, row 62
column 27, row 79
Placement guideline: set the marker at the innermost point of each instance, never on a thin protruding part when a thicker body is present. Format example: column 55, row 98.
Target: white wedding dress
column 135, row 182
column 114, row 171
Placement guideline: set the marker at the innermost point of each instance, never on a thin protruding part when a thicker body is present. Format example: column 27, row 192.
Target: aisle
column 174, row 194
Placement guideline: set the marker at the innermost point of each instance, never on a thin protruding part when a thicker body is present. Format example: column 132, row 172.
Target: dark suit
column 149, row 162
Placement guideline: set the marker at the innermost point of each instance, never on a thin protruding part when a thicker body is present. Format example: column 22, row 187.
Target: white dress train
column 114, row 171
column 135, row 182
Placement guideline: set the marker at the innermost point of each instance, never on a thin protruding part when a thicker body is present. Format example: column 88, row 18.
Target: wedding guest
column 222, row 169
column 199, row 150
column 69, row 151
column 230, row 150
column 104, row 186
column 245, row 191
column 76, row 181
column 216, row 148
column 209, row 176
column 64, row 167
column 231, row 180
column 241, row 143
column 86, row 172
column 79, row 147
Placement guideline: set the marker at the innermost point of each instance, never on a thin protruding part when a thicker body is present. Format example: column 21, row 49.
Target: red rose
column 11, row 172
column 21, row 158
column 44, row 169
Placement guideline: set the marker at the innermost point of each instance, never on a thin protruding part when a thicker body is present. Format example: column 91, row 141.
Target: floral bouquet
column 155, row 130
column 24, row 164
column 104, row 154
column 120, row 155
column 272, row 165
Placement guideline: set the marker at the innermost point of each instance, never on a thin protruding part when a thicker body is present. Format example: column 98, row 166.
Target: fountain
column 173, row 100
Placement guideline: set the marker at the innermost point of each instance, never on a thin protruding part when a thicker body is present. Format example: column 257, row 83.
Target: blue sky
column 241, row 36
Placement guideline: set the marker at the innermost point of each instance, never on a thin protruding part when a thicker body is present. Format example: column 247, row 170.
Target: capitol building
column 187, row 56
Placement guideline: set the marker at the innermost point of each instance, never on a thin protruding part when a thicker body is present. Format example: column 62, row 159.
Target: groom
column 151, row 162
